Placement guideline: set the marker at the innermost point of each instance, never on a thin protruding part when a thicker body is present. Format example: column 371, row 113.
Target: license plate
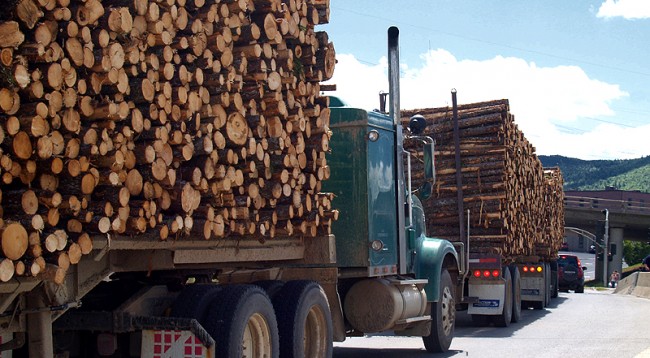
column 487, row 303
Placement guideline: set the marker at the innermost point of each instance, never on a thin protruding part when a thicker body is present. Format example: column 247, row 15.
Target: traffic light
column 612, row 252
column 600, row 228
column 600, row 232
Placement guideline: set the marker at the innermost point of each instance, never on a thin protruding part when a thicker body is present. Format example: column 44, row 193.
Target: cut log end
column 14, row 241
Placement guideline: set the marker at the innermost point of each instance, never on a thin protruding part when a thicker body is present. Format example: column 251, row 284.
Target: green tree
column 635, row 251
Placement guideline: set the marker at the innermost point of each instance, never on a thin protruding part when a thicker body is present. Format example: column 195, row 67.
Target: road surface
column 594, row 324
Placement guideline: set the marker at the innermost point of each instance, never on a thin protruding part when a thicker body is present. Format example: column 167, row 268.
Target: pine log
column 515, row 206
column 152, row 119
column 14, row 241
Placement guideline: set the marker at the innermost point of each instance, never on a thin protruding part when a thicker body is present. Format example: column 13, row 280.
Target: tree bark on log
column 151, row 119
column 516, row 206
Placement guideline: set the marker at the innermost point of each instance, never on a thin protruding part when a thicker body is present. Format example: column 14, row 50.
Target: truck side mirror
column 425, row 190
column 417, row 124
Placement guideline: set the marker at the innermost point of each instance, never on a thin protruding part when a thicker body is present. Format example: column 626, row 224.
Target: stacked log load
column 159, row 120
column 516, row 207
column 554, row 215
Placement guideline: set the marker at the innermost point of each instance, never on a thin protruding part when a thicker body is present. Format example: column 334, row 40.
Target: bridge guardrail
column 613, row 205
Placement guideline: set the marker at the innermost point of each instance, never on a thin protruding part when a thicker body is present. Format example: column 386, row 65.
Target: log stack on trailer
column 487, row 168
column 515, row 205
column 554, row 218
column 159, row 120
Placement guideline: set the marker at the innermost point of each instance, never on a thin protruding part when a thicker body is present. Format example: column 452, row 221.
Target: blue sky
column 577, row 73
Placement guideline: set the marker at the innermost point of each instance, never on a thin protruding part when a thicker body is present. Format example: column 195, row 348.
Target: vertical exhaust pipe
column 393, row 73
column 394, row 112
column 459, row 176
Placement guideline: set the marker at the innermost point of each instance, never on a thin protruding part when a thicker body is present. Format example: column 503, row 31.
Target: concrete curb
column 637, row 284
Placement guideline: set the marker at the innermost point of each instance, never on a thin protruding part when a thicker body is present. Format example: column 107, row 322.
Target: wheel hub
column 256, row 341
column 448, row 311
column 315, row 337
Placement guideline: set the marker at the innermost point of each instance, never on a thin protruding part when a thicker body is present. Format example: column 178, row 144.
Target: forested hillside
column 630, row 174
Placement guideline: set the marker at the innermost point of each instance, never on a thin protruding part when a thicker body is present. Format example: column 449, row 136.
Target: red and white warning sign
column 173, row 344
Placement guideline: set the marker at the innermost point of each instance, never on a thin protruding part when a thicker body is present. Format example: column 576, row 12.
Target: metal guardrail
column 613, row 205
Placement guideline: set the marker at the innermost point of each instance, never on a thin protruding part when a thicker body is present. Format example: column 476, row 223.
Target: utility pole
column 606, row 247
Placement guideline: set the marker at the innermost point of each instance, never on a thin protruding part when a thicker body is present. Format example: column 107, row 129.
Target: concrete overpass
column 629, row 219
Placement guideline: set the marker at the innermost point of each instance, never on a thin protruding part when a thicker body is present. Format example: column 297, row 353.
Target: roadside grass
column 597, row 285
column 632, row 268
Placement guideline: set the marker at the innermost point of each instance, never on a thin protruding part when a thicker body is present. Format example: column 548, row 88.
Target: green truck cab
column 391, row 275
column 364, row 179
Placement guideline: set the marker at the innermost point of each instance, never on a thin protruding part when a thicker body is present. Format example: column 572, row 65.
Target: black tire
column 516, row 293
column 480, row 320
column 443, row 317
column 554, row 280
column 241, row 317
column 304, row 320
column 580, row 289
column 271, row 287
column 503, row 320
column 547, row 285
column 194, row 301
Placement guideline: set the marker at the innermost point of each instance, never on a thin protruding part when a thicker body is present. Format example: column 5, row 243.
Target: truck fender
column 431, row 257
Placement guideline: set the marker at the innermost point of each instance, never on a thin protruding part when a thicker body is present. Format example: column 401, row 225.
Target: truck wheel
column 503, row 320
column 480, row 320
column 241, row 320
column 516, row 293
column 194, row 301
column 554, row 290
column 304, row 320
column 580, row 289
column 443, row 317
column 271, row 287
column 548, row 286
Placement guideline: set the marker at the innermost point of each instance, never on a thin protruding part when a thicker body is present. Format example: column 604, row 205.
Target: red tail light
column 485, row 273
column 532, row 269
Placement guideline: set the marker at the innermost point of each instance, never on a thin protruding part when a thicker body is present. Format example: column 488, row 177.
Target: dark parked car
column 592, row 249
column 571, row 275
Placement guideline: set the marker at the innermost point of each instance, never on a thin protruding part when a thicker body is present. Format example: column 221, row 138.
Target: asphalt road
column 593, row 324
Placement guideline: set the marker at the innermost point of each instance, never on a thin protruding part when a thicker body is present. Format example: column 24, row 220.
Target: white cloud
column 606, row 141
column 359, row 84
column 628, row 9
column 551, row 104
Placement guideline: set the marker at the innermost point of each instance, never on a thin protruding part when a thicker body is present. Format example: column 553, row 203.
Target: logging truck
column 518, row 268
column 255, row 295
column 497, row 204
